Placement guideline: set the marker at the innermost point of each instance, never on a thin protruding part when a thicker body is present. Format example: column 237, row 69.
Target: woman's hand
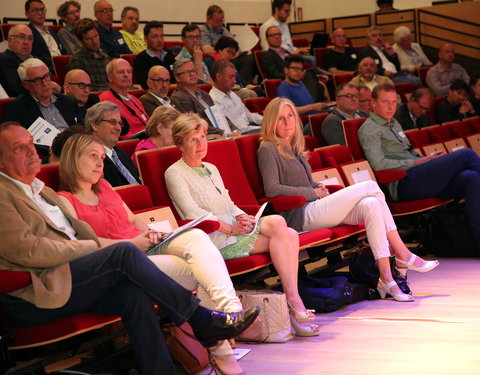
column 146, row 239
column 243, row 225
column 321, row 191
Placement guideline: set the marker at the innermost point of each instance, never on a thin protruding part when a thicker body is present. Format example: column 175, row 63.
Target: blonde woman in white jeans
column 285, row 171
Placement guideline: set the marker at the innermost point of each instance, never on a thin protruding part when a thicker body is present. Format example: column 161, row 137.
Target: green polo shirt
column 386, row 147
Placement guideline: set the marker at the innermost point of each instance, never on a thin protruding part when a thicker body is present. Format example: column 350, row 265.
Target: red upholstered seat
column 258, row 60
column 136, row 197
column 319, row 54
column 271, row 87
column 474, row 123
column 335, row 155
column 418, row 137
column 49, row 175
column 431, row 113
column 137, row 93
column 128, row 145
column 460, row 128
column 422, row 74
column 438, row 133
column 403, row 89
column 131, row 59
column 60, row 65
column 342, row 78
column 3, row 106
column 256, row 30
column 257, row 105
column 316, row 122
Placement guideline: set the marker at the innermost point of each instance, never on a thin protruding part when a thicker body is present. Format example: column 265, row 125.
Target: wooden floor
column 438, row 333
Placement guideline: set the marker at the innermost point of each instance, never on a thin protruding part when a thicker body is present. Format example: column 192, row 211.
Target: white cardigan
column 405, row 62
column 194, row 196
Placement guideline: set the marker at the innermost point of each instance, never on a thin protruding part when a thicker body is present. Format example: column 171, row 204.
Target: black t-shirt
column 342, row 61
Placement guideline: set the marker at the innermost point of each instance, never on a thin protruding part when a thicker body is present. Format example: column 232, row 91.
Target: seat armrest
column 208, row 226
column 13, row 280
column 285, row 202
column 384, row 177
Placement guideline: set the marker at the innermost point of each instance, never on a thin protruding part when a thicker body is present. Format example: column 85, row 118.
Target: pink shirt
column 109, row 218
column 144, row 144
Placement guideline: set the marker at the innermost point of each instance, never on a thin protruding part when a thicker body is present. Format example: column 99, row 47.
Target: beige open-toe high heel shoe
column 385, row 289
column 218, row 370
column 302, row 322
column 428, row 266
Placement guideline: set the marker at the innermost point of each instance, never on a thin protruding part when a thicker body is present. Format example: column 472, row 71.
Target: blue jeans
column 121, row 280
column 403, row 77
column 449, row 176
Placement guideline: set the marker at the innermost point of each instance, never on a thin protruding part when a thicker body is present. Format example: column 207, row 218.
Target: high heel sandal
column 302, row 322
column 384, row 289
column 216, row 367
column 302, row 317
column 428, row 266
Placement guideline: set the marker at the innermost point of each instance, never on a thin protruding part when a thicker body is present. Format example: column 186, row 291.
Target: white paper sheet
column 161, row 226
column 330, row 181
column 361, row 176
column 218, row 119
column 246, row 38
column 43, row 132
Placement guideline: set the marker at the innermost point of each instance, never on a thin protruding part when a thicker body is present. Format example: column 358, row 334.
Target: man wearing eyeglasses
column 90, row 58
column 413, row 113
column 20, row 39
column 78, row 86
column 112, row 41
column 46, row 43
column 191, row 50
column 347, row 108
column 69, row 12
column 154, row 54
column 158, row 85
column 448, row 176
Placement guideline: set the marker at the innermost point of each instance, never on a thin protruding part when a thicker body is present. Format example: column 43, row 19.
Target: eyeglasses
column 187, row 72
column 113, row 122
column 38, row 10
column 348, row 96
column 276, row 35
column 23, row 37
column 297, row 68
column 161, row 80
column 105, row 11
column 82, row 85
column 38, row 81
column 426, row 109
column 192, row 37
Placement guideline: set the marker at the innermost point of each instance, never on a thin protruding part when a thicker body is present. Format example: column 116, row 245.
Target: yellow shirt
column 135, row 42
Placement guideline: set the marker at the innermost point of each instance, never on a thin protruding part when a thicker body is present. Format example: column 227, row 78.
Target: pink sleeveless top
column 109, row 218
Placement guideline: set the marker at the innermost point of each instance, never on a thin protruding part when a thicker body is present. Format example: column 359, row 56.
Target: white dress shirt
column 387, row 64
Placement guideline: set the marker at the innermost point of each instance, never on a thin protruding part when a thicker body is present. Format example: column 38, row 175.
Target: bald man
column 20, row 40
column 443, row 73
column 341, row 58
column 78, row 85
column 158, row 82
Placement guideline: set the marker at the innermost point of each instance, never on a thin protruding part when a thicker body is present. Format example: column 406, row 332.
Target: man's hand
column 428, row 158
column 466, row 107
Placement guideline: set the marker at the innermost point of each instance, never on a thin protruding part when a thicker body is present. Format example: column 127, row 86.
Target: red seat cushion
column 13, row 280
column 136, row 197
column 250, row 263
column 49, row 175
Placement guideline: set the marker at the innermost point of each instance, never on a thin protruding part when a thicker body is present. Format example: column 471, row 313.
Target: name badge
column 144, row 118
column 377, row 61
column 54, row 210
column 120, row 41
column 402, row 134
column 353, row 55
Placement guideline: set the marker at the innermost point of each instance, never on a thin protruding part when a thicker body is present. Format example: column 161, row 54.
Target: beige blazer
column 30, row 241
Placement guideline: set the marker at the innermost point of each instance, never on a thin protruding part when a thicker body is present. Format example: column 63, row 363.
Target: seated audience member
column 475, row 92
column 274, row 65
column 445, row 71
column 158, row 85
column 285, row 171
column 159, row 129
column 119, row 74
column 226, row 49
column 281, row 10
column 385, row 58
column 188, row 98
column 191, row 258
column 154, row 54
column 104, row 121
column 294, row 89
column 410, row 54
column 19, row 49
column 90, row 57
column 196, row 188
column 77, row 85
column 449, row 176
column 230, row 104
column 59, row 141
column 71, row 276
column 456, row 105
column 112, row 41
column 69, row 12
column 45, row 42
column 346, row 109
column 39, row 100
column 364, row 99
column 130, row 21
column 191, row 50
column 341, row 58
column 212, row 31
column 413, row 113
column 367, row 75
column 385, row 6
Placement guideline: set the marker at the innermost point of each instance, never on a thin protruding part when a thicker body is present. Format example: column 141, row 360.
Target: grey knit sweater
column 286, row 177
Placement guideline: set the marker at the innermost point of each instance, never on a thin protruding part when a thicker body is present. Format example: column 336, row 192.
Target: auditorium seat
column 256, row 105
column 131, row 59
column 60, row 65
column 128, row 145
column 271, row 86
column 316, row 122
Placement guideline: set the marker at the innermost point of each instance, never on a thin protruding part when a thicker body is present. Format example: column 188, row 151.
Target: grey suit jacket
column 150, row 103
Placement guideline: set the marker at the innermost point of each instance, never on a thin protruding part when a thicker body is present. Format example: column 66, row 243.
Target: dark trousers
column 449, row 176
column 121, row 280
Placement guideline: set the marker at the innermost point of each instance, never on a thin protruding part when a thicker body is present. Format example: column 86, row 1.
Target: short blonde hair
column 69, row 169
column 162, row 115
column 401, row 32
column 269, row 128
column 185, row 124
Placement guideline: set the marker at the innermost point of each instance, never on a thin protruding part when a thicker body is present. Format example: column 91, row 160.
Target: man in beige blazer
column 70, row 275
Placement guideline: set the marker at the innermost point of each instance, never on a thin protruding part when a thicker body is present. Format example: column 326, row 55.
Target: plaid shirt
column 93, row 65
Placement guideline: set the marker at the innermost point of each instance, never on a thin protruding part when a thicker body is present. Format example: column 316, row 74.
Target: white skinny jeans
column 192, row 260
column 362, row 202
